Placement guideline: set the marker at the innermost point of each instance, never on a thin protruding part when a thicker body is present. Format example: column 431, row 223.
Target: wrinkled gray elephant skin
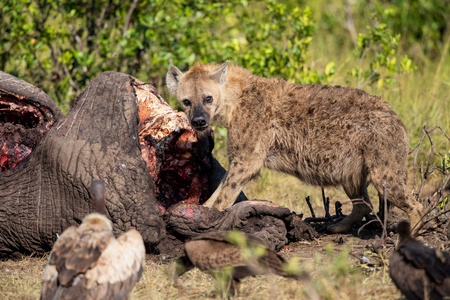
column 49, row 160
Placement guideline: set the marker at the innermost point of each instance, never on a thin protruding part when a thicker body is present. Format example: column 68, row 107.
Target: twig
column 417, row 149
column 326, row 204
column 434, row 200
column 323, row 219
column 360, row 66
column 433, row 204
column 310, row 207
column 102, row 14
column 374, row 72
column 422, row 180
column 128, row 17
column 338, row 208
column 126, row 25
column 75, row 35
column 66, row 70
column 384, row 234
column 431, row 154
column 373, row 220
column 384, row 212
column 427, row 221
column 349, row 21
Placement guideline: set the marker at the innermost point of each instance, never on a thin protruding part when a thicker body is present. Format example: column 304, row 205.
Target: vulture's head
column 404, row 230
column 96, row 222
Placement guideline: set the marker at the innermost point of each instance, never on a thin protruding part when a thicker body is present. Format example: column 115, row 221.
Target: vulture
column 420, row 272
column 88, row 262
column 245, row 255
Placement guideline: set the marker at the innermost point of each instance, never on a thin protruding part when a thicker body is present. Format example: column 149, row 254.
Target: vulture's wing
column 444, row 288
column 113, row 276
column 406, row 277
column 260, row 263
column 207, row 254
column 50, row 281
column 274, row 263
column 213, row 251
column 436, row 264
column 119, row 268
column 75, row 253
column 219, row 236
column 224, row 236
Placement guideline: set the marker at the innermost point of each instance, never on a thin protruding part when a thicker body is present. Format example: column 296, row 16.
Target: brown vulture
column 245, row 254
column 88, row 262
column 420, row 272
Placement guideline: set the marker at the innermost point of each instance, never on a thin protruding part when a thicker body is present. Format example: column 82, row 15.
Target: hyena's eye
column 208, row 99
column 186, row 102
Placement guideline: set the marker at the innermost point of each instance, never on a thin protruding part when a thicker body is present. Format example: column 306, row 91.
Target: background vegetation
column 398, row 49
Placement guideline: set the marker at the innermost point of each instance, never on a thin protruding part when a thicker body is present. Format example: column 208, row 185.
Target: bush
column 60, row 45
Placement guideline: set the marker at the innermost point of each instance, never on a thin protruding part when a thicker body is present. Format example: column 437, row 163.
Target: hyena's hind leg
column 357, row 192
column 394, row 177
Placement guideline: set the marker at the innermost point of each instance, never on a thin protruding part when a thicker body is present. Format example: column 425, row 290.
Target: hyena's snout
column 200, row 118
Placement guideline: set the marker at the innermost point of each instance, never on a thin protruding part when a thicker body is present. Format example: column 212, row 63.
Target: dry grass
column 21, row 279
column 335, row 275
column 420, row 99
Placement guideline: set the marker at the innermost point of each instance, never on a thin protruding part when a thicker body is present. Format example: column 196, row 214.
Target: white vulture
column 88, row 262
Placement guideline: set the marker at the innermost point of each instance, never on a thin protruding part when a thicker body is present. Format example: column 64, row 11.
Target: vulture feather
column 420, row 272
column 88, row 262
column 246, row 254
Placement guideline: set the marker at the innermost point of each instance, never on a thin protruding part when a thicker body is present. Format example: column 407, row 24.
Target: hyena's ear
column 173, row 78
column 220, row 74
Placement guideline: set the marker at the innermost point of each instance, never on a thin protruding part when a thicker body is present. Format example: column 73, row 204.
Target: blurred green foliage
column 421, row 22
column 60, row 45
column 446, row 170
column 380, row 46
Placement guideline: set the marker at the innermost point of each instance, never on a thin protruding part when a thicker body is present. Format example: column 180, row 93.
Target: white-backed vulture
column 88, row 262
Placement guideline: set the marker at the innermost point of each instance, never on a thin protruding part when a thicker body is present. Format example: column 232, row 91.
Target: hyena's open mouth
column 171, row 150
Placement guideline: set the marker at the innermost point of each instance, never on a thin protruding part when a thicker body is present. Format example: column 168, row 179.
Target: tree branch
column 128, row 17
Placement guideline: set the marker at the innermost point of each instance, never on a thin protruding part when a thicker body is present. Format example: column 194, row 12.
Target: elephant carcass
column 48, row 191
column 121, row 131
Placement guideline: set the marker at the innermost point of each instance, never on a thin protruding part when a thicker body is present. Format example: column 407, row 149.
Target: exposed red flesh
column 169, row 146
column 22, row 126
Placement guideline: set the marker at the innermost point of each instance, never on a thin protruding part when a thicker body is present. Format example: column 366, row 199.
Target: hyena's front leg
column 244, row 166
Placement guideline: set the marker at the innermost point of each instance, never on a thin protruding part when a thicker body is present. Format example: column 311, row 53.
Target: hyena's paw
column 358, row 213
column 341, row 227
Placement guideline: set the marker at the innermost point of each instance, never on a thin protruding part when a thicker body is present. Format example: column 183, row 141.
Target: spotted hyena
column 323, row 135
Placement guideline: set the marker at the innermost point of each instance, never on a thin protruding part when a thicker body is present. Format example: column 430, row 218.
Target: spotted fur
column 327, row 136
